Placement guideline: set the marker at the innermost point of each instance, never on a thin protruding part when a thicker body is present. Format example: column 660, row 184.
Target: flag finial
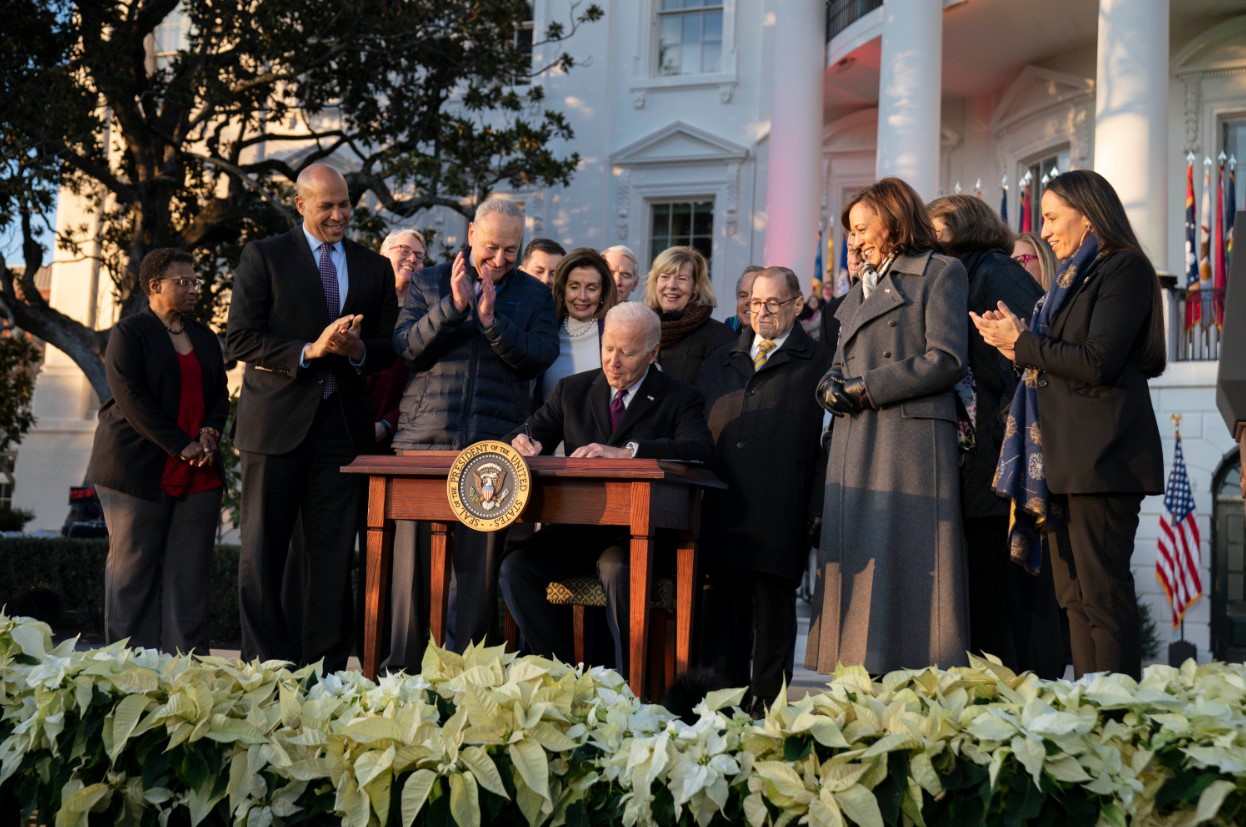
column 1175, row 419
column 1189, row 157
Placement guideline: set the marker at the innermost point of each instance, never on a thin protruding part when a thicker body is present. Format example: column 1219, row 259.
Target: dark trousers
column 313, row 619
column 406, row 635
column 1012, row 614
column 158, row 568
column 476, row 560
column 750, row 613
column 1090, row 563
column 555, row 553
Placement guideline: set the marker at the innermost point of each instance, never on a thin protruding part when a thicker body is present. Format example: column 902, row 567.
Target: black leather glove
column 831, row 395
column 854, row 387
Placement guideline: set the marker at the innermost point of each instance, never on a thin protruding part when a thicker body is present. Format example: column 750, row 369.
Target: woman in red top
column 155, row 463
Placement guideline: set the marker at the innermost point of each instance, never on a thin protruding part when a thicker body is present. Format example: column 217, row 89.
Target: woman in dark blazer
column 155, row 461
column 679, row 291
column 1083, row 415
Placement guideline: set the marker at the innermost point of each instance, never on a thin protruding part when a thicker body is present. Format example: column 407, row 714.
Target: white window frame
column 645, row 77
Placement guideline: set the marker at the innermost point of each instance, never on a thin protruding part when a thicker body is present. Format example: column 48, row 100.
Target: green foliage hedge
column 135, row 737
column 73, row 570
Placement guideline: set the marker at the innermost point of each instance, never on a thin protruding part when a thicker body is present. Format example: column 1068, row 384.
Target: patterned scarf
column 679, row 325
column 1020, row 475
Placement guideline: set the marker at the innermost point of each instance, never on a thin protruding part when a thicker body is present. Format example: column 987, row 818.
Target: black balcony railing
column 1194, row 324
column 840, row 14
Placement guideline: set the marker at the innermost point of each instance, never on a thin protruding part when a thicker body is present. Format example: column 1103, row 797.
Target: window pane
column 688, row 223
column 692, row 59
column 681, row 221
column 711, row 57
column 691, row 28
column 713, row 25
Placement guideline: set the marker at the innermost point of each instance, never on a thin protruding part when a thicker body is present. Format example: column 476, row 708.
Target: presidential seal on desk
column 488, row 485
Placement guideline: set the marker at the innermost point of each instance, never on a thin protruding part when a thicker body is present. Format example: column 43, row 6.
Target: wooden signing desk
column 642, row 494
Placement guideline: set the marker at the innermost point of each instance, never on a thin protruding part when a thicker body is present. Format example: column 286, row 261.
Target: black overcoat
column 993, row 277
column 767, row 448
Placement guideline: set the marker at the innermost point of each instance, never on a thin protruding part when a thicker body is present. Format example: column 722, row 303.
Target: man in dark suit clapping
column 311, row 313
column 627, row 409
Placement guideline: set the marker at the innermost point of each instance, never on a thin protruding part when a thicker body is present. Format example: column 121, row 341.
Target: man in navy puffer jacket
column 473, row 332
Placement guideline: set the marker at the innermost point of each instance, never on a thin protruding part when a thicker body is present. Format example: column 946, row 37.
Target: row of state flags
column 1207, row 265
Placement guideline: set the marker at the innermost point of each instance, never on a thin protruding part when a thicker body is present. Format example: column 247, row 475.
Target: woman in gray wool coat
column 890, row 591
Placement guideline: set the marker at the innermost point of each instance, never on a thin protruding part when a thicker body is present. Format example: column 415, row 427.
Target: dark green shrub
column 14, row 519
column 73, row 570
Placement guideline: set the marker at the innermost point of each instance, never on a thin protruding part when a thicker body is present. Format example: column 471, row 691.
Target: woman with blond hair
column 1035, row 255
column 679, row 291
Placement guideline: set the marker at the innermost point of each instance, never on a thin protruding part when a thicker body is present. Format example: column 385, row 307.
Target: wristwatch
column 633, row 447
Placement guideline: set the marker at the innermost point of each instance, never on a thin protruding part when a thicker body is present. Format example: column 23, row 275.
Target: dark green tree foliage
column 195, row 142
column 18, row 356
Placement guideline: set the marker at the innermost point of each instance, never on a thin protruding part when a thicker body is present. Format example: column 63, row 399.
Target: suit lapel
column 887, row 296
column 647, row 397
column 599, row 395
column 307, row 269
column 738, row 357
column 796, row 347
column 354, row 275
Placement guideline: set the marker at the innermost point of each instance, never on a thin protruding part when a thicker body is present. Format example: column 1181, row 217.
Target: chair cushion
column 587, row 591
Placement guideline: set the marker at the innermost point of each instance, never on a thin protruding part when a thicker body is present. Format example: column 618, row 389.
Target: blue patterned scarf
column 1020, row 475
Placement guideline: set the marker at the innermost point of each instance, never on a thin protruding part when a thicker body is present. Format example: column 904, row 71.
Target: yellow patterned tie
column 763, row 350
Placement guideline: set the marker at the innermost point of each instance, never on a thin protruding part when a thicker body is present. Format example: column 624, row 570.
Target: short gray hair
column 392, row 238
column 638, row 315
column 499, row 206
column 623, row 251
column 782, row 274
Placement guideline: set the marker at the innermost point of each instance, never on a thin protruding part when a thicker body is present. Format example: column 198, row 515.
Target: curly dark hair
column 157, row 262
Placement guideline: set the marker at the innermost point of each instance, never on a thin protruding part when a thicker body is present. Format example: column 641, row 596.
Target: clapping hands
column 342, row 337
column 1000, row 329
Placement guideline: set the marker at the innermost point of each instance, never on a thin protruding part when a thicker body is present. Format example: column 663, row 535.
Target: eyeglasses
column 771, row 305
column 186, row 283
column 404, row 250
column 1024, row 258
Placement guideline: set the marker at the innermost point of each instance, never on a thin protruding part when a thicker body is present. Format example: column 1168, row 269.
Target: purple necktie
column 616, row 410
column 328, row 280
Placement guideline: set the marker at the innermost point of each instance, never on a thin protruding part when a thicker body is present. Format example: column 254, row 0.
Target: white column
column 1131, row 114
column 793, row 179
column 909, row 91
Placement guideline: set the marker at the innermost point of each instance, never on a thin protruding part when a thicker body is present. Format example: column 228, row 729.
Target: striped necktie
column 763, row 353
column 616, row 410
column 328, row 280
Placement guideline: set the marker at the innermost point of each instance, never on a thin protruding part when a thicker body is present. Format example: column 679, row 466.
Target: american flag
column 1178, row 560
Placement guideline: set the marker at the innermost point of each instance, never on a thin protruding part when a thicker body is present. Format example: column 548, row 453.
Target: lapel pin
column 650, row 398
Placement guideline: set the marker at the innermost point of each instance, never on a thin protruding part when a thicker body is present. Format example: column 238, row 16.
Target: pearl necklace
column 582, row 330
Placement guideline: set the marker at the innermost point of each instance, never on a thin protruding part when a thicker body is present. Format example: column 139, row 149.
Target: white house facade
column 740, row 126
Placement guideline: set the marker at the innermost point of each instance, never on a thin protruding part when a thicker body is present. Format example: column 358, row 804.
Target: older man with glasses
column 761, row 408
